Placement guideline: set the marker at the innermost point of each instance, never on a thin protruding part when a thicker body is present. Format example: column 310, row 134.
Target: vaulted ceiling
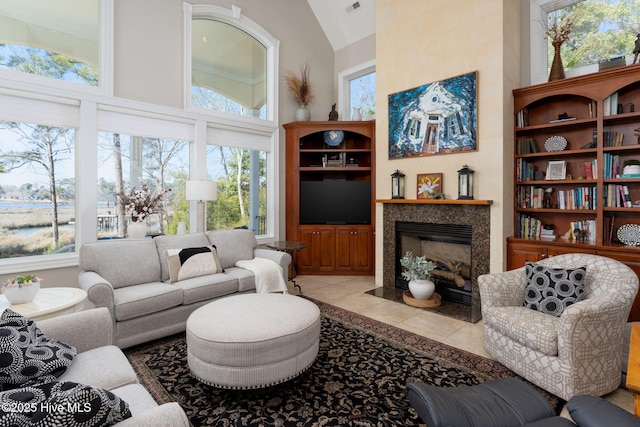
column 345, row 21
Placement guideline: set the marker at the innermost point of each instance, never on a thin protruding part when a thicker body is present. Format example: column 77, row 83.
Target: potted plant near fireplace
column 418, row 272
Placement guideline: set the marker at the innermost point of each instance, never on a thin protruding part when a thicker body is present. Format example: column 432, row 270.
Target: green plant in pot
column 417, row 270
column 631, row 166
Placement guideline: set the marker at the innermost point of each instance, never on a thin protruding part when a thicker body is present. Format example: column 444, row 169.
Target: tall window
column 55, row 38
column 602, row 29
column 241, row 175
column 37, row 189
column 128, row 161
column 228, row 69
column 357, row 89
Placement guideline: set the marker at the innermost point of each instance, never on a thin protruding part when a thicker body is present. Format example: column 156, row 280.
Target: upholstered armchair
column 576, row 352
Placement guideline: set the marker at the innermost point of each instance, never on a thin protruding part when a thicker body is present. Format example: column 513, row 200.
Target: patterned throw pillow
column 192, row 262
column 61, row 404
column 27, row 354
column 551, row 290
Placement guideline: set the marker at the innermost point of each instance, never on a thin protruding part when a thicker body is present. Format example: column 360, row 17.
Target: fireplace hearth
column 451, row 221
column 448, row 246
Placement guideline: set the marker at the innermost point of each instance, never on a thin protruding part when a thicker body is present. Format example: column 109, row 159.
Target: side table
column 291, row 248
column 49, row 302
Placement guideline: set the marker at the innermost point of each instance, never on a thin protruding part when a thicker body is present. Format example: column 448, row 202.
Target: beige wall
column 430, row 41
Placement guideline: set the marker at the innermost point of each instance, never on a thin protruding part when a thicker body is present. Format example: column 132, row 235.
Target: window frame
column 538, row 43
column 24, row 81
column 234, row 18
column 344, row 86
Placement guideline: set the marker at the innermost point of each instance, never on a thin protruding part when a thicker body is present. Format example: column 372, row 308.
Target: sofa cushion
column 26, row 354
column 163, row 243
column 105, row 367
column 517, row 323
column 112, row 259
column 137, row 397
column 246, row 278
column 146, row 298
column 551, row 290
column 233, row 245
column 84, row 405
column 192, row 262
column 207, row 287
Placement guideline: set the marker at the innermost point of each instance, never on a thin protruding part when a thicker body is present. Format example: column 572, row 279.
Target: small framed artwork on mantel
column 429, row 185
column 556, row 170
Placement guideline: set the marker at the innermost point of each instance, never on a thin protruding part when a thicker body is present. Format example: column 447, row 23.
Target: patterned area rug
column 358, row 378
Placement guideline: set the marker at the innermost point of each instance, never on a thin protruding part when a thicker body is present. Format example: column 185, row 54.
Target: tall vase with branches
column 300, row 89
column 558, row 29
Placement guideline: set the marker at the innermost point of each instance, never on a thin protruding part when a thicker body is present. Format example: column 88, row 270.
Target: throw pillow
column 27, row 354
column 192, row 262
column 61, row 404
column 551, row 290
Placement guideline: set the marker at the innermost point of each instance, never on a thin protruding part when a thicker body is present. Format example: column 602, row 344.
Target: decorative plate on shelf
column 333, row 138
column 555, row 143
column 629, row 234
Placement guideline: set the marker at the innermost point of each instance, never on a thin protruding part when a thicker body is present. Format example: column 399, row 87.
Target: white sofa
column 131, row 279
column 101, row 364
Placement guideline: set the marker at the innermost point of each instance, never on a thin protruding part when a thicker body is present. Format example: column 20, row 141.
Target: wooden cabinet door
column 305, row 256
column 362, row 239
column 344, row 248
column 324, row 244
column 561, row 250
column 519, row 253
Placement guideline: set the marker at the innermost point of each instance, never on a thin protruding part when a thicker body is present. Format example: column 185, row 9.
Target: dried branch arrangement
column 559, row 27
column 300, row 87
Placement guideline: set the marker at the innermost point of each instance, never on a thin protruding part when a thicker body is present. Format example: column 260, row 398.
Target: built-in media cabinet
column 330, row 202
column 572, row 138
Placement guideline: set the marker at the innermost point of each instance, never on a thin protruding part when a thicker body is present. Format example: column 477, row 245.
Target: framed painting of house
column 436, row 118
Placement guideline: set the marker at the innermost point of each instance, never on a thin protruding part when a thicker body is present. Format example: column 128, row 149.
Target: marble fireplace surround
column 475, row 213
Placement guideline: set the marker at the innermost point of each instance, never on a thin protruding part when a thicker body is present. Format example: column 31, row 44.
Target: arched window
column 231, row 65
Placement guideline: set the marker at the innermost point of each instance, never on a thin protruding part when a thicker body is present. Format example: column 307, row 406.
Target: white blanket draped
column 269, row 274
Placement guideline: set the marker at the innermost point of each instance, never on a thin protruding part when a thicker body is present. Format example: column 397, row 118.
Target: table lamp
column 202, row 191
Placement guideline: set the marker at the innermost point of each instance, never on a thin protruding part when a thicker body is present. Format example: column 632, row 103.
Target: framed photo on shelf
column 556, row 170
column 429, row 185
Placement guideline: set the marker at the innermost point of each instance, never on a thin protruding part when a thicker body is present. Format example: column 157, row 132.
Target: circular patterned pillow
column 551, row 290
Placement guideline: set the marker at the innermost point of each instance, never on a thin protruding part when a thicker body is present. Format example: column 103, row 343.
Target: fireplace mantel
column 435, row 202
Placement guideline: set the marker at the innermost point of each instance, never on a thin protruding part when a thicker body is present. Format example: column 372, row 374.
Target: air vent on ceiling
column 353, row 7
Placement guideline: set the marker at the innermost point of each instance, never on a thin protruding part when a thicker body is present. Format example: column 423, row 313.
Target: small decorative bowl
column 21, row 292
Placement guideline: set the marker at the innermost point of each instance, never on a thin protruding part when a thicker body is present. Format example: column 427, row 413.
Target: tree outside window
column 125, row 161
column 37, row 190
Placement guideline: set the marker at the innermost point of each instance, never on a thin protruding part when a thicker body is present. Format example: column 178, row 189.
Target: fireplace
column 448, row 246
column 458, row 222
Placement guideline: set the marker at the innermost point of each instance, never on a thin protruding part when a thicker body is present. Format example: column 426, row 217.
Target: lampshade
column 201, row 190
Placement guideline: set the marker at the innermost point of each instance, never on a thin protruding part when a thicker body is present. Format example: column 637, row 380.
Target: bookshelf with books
column 572, row 138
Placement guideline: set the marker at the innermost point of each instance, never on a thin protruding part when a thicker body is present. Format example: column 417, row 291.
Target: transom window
column 58, row 39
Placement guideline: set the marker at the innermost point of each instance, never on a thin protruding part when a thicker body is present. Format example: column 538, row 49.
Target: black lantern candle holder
column 465, row 183
column 397, row 185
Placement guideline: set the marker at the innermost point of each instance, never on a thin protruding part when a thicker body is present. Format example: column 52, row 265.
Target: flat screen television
column 335, row 202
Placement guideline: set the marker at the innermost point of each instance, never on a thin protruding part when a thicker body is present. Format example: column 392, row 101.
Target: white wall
column 431, row 41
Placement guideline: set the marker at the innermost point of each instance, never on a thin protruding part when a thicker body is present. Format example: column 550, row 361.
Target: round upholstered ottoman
column 252, row 340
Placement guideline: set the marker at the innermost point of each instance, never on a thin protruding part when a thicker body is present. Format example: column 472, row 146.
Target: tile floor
column 348, row 292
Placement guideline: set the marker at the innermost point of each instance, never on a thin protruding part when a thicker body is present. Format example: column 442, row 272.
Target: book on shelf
column 630, row 175
column 627, row 197
column 588, row 170
column 527, row 146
